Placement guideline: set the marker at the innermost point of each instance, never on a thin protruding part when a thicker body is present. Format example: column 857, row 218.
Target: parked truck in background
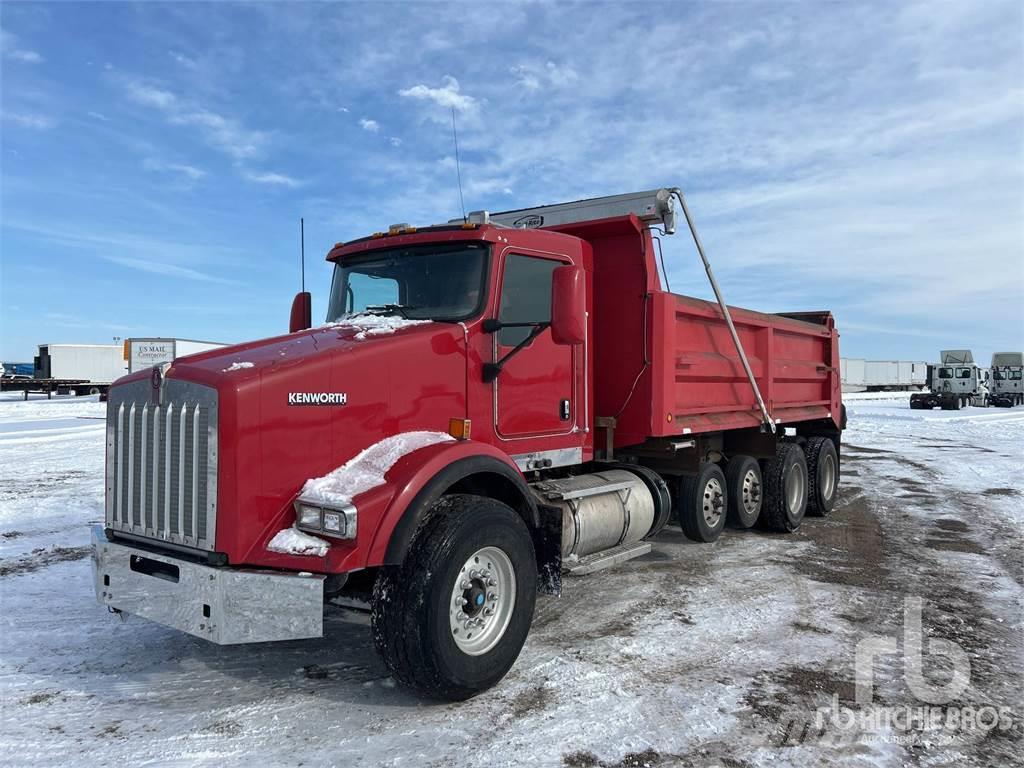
column 492, row 402
column 1007, row 387
column 145, row 353
column 955, row 383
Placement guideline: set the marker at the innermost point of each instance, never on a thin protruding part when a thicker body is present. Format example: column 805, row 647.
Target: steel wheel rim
column 751, row 491
column 477, row 628
column 795, row 484
column 713, row 501
column 828, row 477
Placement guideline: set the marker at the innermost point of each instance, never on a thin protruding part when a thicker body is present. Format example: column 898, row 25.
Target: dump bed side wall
column 698, row 382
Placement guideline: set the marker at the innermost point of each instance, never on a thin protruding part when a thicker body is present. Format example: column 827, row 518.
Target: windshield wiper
column 384, row 309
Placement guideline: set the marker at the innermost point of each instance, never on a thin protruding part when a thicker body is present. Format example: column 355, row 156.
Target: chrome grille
column 162, row 462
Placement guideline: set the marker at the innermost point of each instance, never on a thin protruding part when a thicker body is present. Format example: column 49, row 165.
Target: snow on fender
column 366, row 471
column 360, row 474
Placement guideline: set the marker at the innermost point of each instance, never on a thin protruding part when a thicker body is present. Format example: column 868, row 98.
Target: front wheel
column 451, row 620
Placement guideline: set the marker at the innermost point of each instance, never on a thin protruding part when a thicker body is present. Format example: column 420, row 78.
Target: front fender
column 416, row 482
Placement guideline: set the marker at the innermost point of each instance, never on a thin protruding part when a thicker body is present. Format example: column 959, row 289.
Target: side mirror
column 302, row 312
column 569, row 305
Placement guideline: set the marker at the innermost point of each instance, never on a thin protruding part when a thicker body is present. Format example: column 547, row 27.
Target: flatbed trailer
column 494, row 402
column 48, row 387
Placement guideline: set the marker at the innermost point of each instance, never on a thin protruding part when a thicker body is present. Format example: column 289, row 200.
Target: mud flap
column 547, row 543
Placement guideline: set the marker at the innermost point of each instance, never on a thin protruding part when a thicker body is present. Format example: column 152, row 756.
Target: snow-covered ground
column 703, row 655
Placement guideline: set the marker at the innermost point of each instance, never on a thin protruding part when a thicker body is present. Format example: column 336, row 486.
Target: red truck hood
column 271, row 439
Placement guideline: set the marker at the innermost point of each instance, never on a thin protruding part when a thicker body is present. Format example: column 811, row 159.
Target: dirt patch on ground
column 863, row 449
column 224, row 728
column 1001, row 492
column 40, row 558
column 954, row 544
column 43, row 697
column 850, row 547
column 649, row 758
column 533, row 699
column 951, row 524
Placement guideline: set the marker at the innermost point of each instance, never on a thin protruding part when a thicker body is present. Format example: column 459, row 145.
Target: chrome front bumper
column 223, row 605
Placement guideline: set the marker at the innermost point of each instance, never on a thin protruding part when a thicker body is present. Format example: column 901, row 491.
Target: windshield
column 945, row 373
column 422, row 282
column 1015, row 375
column 963, row 373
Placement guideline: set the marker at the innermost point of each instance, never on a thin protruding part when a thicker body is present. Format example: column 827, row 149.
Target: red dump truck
column 492, row 403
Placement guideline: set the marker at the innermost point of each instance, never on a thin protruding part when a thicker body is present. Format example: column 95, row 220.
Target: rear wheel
column 743, row 480
column 785, row 486
column 822, row 475
column 703, row 503
column 452, row 619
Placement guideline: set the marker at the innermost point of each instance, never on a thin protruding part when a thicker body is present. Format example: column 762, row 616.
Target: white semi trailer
column 145, row 353
column 1007, row 383
column 78, row 368
column 957, row 382
column 860, row 375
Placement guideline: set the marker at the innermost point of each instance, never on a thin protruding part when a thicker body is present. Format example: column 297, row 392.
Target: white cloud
column 770, row 73
column 343, row 109
column 158, row 267
column 181, row 58
column 274, row 179
column 369, row 125
column 224, row 133
column 98, row 116
column 188, row 171
column 150, row 96
column 29, row 120
column 447, row 96
column 395, row 141
column 10, row 50
column 534, row 76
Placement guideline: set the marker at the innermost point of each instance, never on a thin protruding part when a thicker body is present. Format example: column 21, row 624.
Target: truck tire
column 785, row 489
column 743, row 480
column 822, row 475
column 703, row 503
column 451, row 620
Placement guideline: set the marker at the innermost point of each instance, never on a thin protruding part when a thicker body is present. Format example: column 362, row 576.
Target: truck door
column 534, row 394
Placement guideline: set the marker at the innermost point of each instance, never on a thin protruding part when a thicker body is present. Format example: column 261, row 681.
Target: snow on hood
column 238, row 367
column 291, row 541
column 370, row 324
column 368, row 468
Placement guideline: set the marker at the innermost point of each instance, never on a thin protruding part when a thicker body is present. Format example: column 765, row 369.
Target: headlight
column 334, row 522
column 308, row 516
column 337, row 522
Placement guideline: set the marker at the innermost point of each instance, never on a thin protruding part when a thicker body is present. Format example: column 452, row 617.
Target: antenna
column 458, row 168
column 302, row 251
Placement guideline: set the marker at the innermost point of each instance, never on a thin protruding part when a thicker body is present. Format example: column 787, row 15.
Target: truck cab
column 955, row 383
column 1007, row 379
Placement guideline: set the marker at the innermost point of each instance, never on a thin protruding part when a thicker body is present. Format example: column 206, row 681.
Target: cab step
column 605, row 559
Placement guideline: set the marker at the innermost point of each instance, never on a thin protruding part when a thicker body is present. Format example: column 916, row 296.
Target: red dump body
column 676, row 354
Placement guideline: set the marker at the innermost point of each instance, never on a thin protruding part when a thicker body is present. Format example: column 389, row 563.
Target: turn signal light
column 459, row 428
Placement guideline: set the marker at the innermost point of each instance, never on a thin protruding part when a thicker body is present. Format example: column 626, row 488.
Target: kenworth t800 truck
column 493, row 402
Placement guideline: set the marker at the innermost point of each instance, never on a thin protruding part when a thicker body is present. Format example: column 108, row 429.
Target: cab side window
column 525, row 295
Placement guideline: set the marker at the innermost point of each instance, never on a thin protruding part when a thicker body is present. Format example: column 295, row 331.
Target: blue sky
column 864, row 158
